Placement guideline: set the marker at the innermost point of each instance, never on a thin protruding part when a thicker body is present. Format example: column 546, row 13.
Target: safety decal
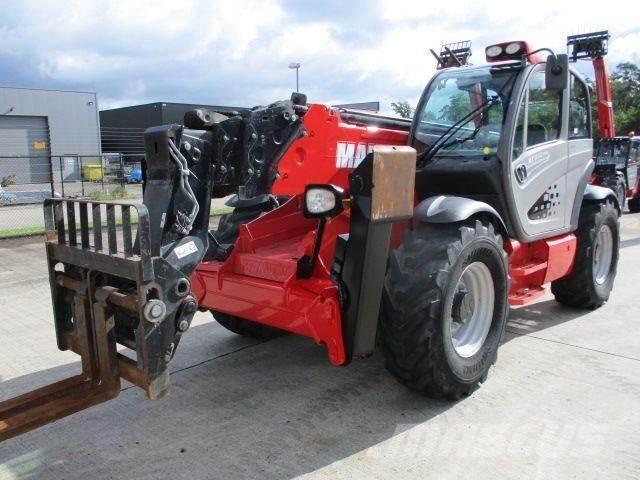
column 186, row 249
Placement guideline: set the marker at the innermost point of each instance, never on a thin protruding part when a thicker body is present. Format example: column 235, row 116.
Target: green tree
column 402, row 109
column 459, row 105
column 625, row 87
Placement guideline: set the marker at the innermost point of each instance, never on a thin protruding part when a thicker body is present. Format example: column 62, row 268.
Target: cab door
column 580, row 143
column 540, row 158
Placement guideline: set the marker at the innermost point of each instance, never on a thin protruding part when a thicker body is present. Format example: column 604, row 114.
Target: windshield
column 469, row 107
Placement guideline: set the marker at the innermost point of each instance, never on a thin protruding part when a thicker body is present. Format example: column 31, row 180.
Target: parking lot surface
column 561, row 402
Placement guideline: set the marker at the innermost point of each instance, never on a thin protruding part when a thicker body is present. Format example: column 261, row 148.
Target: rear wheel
column 621, row 192
column 445, row 308
column 634, row 205
column 594, row 269
column 246, row 328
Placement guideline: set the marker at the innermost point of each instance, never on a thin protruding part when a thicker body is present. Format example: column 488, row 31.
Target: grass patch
column 118, row 193
column 21, row 232
column 221, row 211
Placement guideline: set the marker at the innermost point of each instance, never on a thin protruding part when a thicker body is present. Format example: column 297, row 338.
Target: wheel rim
column 602, row 254
column 472, row 309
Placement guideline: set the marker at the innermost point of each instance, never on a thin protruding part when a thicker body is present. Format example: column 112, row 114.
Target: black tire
column 621, row 192
column 229, row 224
column 247, row 328
column 580, row 289
column 420, row 286
column 228, row 230
column 634, row 205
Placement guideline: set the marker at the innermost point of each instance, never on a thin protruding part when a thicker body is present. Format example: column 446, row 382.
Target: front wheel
column 596, row 260
column 445, row 308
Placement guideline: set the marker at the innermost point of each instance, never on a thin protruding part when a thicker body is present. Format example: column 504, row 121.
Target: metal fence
column 26, row 181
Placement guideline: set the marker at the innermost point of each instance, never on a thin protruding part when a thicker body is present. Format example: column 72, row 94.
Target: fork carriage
column 108, row 288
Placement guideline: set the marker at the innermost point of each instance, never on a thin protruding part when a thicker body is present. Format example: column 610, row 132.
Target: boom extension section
column 454, row 54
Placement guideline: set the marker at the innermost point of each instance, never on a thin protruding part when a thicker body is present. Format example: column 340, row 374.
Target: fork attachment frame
column 107, row 290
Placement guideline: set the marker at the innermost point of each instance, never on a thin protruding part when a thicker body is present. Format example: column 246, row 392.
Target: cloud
column 236, row 53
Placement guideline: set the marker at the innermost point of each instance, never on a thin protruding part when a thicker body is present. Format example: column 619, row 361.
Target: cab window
column 539, row 115
column 544, row 107
column 518, row 142
column 579, row 114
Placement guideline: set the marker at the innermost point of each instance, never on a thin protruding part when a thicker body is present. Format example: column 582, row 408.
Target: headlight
column 493, row 51
column 322, row 200
column 513, row 48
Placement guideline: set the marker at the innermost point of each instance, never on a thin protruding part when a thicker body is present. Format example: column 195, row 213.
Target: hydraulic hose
column 185, row 188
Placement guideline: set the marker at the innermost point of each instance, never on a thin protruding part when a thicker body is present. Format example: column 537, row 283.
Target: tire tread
column 577, row 289
column 413, row 295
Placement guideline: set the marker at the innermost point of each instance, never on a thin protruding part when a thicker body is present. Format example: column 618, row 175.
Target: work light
column 322, row 200
column 513, row 48
column 493, row 51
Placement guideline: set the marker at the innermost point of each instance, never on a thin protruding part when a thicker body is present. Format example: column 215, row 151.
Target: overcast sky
column 235, row 52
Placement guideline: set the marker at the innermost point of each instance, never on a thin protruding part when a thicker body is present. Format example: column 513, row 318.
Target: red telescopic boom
column 594, row 46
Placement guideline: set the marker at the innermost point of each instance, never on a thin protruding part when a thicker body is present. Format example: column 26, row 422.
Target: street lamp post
column 296, row 66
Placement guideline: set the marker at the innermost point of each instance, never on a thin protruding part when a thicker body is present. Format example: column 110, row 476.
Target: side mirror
column 557, row 72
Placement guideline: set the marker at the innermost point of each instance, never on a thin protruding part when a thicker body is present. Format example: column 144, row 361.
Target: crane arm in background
column 594, row 46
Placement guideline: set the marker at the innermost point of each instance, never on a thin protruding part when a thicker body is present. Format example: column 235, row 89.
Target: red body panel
column 329, row 151
column 634, row 191
column 534, row 264
column 258, row 280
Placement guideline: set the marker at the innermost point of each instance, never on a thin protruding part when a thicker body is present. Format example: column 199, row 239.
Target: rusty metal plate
column 394, row 174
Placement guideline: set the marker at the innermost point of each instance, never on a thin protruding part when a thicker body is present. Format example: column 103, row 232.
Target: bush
column 7, row 180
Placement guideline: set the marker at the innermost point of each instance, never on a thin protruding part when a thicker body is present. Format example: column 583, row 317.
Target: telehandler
column 351, row 229
column 617, row 166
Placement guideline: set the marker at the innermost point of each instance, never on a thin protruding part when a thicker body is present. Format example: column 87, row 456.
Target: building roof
column 46, row 89
column 164, row 104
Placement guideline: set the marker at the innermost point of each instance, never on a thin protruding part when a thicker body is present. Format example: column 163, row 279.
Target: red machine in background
column 594, row 46
column 617, row 162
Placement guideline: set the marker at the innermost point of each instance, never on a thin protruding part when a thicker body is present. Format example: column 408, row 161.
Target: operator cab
column 617, row 163
column 617, row 151
column 507, row 133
